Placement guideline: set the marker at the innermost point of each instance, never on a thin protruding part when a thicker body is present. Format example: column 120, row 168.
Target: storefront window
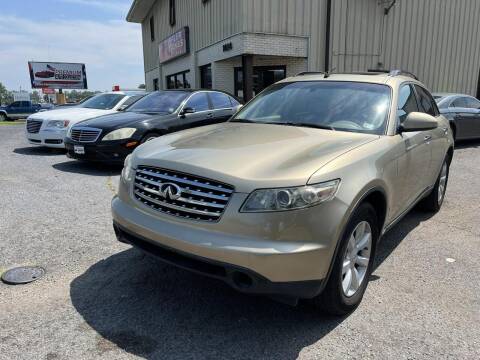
column 206, row 76
column 180, row 80
column 263, row 77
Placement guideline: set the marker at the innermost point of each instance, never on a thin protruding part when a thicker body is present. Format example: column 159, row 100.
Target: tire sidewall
column 437, row 184
column 365, row 212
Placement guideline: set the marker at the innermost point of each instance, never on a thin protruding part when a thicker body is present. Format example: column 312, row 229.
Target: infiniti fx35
column 292, row 195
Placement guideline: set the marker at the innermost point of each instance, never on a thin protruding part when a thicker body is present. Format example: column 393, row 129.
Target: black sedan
column 463, row 111
column 111, row 138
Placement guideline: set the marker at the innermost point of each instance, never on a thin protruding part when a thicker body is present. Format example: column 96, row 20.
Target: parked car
column 463, row 112
column 49, row 128
column 291, row 196
column 18, row 110
column 71, row 104
column 46, row 106
column 111, row 138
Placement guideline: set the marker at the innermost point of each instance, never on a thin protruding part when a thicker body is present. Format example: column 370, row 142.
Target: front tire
column 433, row 202
column 149, row 137
column 3, row 117
column 352, row 264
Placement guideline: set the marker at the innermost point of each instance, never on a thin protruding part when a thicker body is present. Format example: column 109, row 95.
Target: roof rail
column 402, row 72
column 303, row 73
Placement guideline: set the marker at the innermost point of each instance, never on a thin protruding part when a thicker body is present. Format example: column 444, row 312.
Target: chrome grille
column 85, row 134
column 33, row 126
column 182, row 195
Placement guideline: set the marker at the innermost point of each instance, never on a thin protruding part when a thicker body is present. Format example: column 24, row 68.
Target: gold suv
column 291, row 196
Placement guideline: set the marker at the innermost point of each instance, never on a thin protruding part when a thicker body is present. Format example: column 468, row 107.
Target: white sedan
column 49, row 128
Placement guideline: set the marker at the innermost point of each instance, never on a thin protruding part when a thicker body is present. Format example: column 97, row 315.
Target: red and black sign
column 175, row 45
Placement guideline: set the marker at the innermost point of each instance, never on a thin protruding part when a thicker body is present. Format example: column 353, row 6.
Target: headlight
column 127, row 172
column 59, row 124
column 119, row 134
column 290, row 198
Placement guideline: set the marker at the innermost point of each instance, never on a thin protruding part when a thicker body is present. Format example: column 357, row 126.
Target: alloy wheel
column 356, row 258
column 442, row 183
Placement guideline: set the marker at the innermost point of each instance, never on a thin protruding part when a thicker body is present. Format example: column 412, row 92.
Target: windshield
column 102, row 101
column 334, row 105
column 160, row 102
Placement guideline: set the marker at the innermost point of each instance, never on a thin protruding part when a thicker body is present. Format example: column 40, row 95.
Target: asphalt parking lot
column 103, row 299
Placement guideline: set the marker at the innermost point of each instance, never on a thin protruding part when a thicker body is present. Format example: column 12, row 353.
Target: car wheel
column 149, row 137
column 433, row 202
column 3, row 117
column 352, row 264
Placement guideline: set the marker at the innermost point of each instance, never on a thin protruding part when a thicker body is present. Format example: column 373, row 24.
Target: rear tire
column 3, row 117
column 433, row 202
column 354, row 260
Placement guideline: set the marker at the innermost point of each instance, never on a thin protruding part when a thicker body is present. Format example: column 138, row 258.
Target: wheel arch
column 374, row 195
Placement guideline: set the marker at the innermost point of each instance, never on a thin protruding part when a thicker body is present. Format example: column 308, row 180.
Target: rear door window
column 472, row 103
column 426, row 102
column 220, row 100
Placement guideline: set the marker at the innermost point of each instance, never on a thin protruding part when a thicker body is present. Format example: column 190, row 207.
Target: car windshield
column 333, row 105
column 102, row 101
column 160, row 102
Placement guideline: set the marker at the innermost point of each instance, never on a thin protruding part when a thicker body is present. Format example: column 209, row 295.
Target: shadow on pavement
column 160, row 312
column 467, row 144
column 88, row 168
column 39, row 151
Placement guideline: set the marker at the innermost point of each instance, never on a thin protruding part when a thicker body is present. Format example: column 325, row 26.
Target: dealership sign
column 48, row 91
column 53, row 75
column 174, row 46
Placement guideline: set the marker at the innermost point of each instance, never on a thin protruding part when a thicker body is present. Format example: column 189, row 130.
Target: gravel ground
column 102, row 299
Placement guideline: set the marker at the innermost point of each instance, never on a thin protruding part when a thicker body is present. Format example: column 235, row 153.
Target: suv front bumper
column 286, row 253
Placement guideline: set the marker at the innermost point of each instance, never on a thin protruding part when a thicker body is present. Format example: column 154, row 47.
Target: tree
column 6, row 97
column 36, row 97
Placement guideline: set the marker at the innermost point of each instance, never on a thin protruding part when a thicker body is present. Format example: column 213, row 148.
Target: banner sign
column 48, row 91
column 21, row 96
column 175, row 45
column 52, row 75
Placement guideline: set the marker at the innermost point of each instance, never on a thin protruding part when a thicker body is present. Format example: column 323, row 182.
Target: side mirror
column 417, row 121
column 187, row 110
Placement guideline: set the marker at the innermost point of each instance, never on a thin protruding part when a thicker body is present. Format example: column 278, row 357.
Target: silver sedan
column 463, row 112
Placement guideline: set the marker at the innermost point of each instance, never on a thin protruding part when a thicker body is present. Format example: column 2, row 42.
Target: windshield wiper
column 243, row 121
column 301, row 124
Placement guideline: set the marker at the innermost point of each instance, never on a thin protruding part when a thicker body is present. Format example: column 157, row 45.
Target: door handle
column 427, row 138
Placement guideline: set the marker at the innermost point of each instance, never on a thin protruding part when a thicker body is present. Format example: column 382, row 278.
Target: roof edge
column 139, row 10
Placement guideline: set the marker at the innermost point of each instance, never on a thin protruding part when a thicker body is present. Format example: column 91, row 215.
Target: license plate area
column 79, row 149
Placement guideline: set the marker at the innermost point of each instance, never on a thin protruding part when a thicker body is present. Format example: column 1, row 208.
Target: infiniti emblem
column 170, row 191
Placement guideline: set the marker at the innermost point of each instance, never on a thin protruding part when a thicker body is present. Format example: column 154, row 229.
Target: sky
column 93, row 32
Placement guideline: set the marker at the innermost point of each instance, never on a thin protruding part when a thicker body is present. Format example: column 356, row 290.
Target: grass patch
column 18, row 122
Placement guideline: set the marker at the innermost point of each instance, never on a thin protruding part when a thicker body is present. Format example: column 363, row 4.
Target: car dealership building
column 242, row 46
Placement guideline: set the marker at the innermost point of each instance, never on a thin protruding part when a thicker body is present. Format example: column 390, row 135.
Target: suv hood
column 73, row 114
column 249, row 156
